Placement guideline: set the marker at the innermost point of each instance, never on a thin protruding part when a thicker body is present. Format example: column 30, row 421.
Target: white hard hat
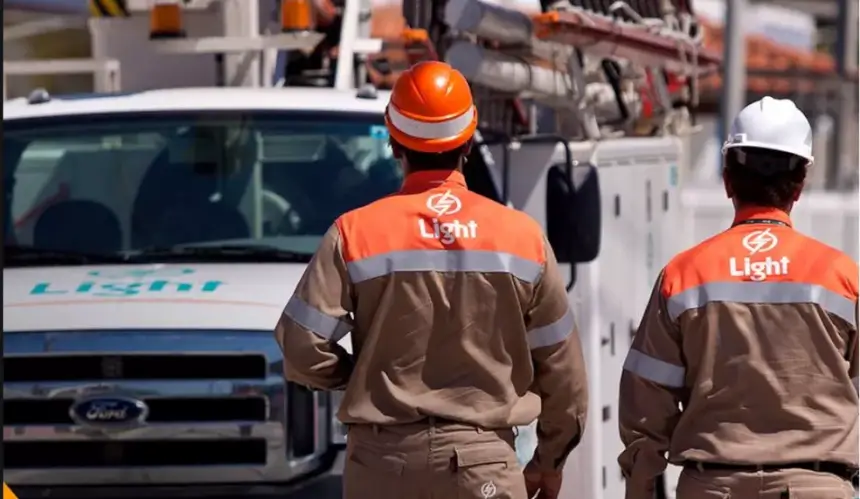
column 775, row 124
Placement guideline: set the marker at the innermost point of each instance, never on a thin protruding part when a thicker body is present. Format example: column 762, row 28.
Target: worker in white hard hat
column 744, row 367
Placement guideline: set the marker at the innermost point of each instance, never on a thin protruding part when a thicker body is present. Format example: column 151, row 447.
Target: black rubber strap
column 766, row 221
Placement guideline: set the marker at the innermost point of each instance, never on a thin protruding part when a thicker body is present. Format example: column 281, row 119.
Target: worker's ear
column 396, row 150
column 730, row 192
column 798, row 192
column 465, row 150
column 467, row 147
column 802, row 186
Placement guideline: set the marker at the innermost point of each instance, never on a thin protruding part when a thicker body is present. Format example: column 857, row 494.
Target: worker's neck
column 427, row 179
column 746, row 212
column 438, row 171
column 755, row 207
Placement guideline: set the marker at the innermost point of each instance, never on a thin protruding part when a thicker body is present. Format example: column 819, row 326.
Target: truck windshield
column 129, row 183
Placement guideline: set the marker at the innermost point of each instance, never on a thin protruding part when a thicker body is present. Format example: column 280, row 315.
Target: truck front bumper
column 324, row 485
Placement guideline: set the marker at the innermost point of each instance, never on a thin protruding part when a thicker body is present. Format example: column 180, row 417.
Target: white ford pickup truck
column 152, row 240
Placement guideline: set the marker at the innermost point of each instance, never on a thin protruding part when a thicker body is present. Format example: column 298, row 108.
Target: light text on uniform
column 758, row 270
column 448, row 232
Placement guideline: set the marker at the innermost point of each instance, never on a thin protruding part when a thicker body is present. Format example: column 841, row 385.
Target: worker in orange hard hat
column 460, row 322
column 431, row 111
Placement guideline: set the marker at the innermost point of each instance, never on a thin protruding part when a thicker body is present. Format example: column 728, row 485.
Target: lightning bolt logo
column 488, row 490
column 759, row 241
column 444, row 204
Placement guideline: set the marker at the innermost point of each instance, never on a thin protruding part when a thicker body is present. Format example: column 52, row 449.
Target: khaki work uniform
column 754, row 333
column 461, row 330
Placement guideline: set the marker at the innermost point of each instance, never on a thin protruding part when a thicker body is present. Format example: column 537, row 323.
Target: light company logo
column 488, row 490
column 443, row 204
column 130, row 282
column 756, row 242
column 760, row 241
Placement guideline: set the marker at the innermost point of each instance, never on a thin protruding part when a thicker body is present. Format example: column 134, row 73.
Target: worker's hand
column 541, row 484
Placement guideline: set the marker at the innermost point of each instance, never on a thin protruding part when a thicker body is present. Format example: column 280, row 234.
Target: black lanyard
column 766, row 221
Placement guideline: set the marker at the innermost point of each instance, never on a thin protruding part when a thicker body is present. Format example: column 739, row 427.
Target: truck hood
column 159, row 296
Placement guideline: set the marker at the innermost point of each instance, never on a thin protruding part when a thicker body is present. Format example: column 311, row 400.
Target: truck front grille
column 55, row 411
column 215, row 409
column 143, row 453
column 302, row 420
column 72, row 367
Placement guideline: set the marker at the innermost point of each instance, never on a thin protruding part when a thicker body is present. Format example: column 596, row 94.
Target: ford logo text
column 109, row 412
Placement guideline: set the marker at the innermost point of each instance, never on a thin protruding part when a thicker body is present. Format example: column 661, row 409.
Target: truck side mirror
column 573, row 212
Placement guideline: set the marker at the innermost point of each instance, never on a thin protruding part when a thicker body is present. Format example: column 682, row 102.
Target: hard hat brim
column 771, row 147
column 433, row 145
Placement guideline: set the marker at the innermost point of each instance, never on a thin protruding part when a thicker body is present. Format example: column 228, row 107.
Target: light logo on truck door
column 130, row 282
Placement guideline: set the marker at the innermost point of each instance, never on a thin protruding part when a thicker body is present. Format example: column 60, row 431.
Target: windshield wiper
column 245, row 253
column 17, row 255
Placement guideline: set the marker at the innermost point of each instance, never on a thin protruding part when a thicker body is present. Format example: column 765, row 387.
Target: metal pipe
column 486, row 20
column 503, row 25
column 106, row 72
column 506, row 73
column 241, row 18
column 344, row 78
column 846, row 63
column 48, row 6
column 606, row 38
column 734, row 65
column 364, row 17
column 41, row 26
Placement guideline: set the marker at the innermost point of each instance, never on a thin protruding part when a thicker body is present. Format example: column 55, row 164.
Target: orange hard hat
column 431, row 108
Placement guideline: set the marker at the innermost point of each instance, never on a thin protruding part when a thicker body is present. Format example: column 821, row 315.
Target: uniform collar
column 750, row 213
column 429, row 179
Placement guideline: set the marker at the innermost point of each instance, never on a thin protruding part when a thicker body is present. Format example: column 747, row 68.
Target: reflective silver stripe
column 443, row 261
column 426, row 130
column 656, row 370
column 324, row 326
column 762, row 292
column 551, row 334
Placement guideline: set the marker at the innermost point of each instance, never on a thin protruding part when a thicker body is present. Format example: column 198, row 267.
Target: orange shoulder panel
column 683, row 271
column 403, row 222
column 845, row 274
column 751, row 253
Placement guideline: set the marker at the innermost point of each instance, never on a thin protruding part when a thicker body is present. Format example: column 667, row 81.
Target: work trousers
column 783, row 484
column 432, row 460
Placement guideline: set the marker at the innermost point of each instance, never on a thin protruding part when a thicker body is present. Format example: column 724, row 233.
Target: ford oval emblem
column 109, row 412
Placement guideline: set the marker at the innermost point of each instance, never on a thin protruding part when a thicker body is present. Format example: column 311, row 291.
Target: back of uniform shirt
column 443, row 279
column 767, row 321
column 457, row 310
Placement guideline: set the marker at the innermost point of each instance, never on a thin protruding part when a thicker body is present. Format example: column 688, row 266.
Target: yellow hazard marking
column 108, row 8
column 7, row 492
